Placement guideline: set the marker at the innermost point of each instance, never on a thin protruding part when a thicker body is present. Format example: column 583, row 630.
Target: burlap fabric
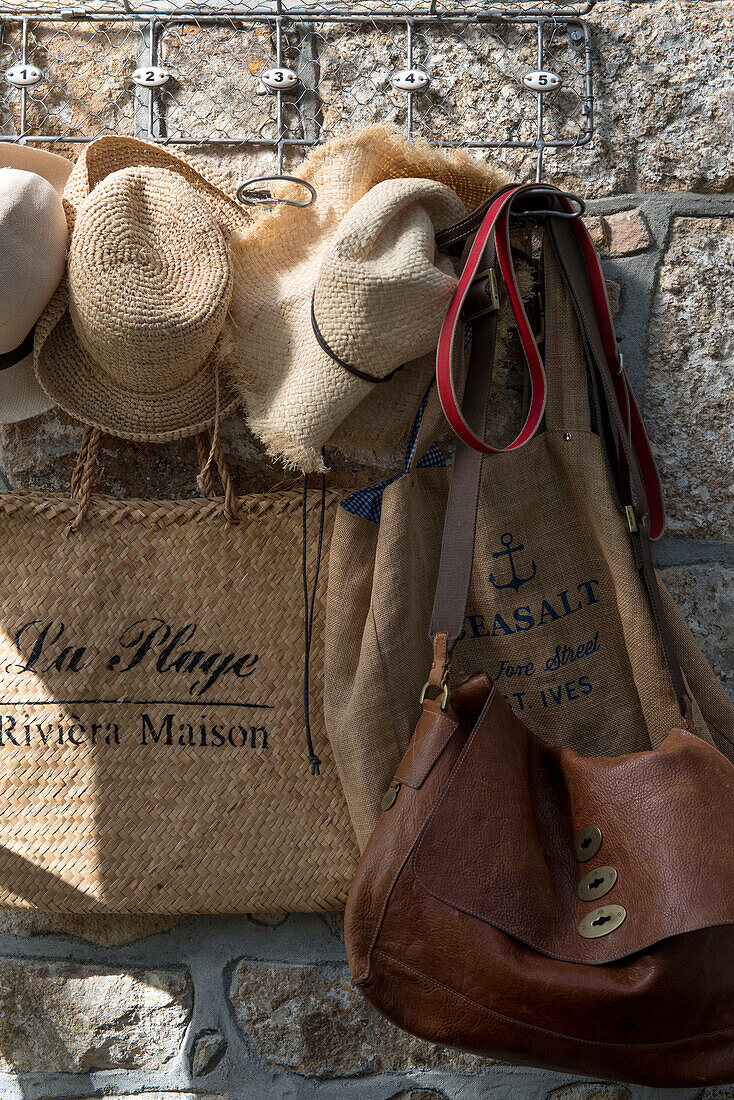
column 365, row 249
column 558, row 613
column 152, row 748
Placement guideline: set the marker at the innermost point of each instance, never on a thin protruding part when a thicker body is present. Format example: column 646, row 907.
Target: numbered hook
column 23, row 75
column 279, row 80
column 263, row 199
column 151, row 76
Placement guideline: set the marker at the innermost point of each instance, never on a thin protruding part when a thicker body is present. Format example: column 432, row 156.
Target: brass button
column 388, row 799
column 587, row 843
column 597, row 883
column 602, row 921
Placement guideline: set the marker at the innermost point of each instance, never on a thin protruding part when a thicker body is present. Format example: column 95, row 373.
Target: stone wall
column 244, row 1009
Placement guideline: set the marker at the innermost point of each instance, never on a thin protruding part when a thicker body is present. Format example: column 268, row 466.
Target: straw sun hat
column 320, row 322
column 337, row 307
column 34, row 241
column 130, row 342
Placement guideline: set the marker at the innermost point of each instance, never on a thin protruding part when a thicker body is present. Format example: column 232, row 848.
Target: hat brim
column 25, row 158
column 21, row 396
column 73, row 381
column 393, row 406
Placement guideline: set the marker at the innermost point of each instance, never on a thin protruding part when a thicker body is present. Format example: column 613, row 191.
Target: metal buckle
column 631, row 519
column 444, row 694
column 489, row 275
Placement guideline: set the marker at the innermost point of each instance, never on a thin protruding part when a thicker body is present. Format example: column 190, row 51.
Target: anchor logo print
column 509, row 552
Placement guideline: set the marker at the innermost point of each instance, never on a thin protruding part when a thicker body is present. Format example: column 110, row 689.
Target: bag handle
column 597, row 324
column 586, row 281
column 475, row 269
column 457, row 552
column 634, row 456
column 85, row 474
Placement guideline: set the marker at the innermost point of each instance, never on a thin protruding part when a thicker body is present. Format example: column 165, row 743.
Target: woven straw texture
column 563, row 624
column 152, row 753
column 129, row 342
column 369, row 254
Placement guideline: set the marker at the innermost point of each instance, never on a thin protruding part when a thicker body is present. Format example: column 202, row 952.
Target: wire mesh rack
column 280, row 76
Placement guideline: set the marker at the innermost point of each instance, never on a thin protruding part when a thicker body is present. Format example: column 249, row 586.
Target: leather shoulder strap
column 640, row 531
column 459, row 533
column 494, row 226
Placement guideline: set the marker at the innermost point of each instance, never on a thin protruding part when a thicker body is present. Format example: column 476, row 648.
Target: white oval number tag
column 279, row 79
column 23, row 76
column 410, row 80
column 542, row 80
column 151, row 76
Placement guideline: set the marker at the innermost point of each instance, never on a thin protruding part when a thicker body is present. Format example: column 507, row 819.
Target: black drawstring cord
column 309, row 602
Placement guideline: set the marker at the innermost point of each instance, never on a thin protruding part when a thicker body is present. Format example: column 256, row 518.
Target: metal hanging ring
column 270, row 200
column 548, row 213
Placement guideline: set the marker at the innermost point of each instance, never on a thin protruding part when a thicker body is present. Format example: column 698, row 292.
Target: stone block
column 313, row 1021
column 689, row 390
column 334, row 924
column 40, row 454
column 113, row 930
column 214, row 89
column 614, row 293
column 705, row 595
column 662, row 83
column 622, row 234
column 662, row 86
column 419, row 1094
column 268, row 920
column 215, row 92
column 583, row 1091
column 87, row 88
column 209, row 1049
column 475, row 92
column 61, row 1017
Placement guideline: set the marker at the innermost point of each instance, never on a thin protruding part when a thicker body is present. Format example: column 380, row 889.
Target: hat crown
column 382, row 289
column 149, row 279
column 34, row 238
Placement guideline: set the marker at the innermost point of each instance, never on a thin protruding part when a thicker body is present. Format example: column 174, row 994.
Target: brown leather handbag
column 520, row 900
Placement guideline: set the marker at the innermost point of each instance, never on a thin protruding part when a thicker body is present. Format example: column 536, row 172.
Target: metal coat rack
column 281, row 75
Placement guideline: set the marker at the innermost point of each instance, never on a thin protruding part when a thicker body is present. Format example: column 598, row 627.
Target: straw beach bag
column 158, row 658
column 152, row 747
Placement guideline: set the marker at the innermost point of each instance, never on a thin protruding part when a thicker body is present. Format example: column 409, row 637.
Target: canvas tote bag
column 558, row 613
column 152, row 748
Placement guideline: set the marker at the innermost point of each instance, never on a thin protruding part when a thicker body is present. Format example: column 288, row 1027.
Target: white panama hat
column 32, row 261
